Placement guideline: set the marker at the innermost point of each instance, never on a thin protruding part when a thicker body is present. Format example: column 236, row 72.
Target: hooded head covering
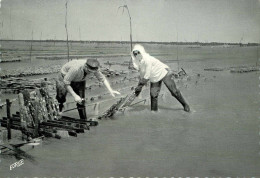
column 148, row 66
column 140, row 50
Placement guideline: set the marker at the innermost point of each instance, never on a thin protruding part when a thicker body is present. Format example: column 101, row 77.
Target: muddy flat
column 219, row 137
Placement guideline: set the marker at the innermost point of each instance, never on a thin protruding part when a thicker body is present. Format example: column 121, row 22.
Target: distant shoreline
column 134, row 42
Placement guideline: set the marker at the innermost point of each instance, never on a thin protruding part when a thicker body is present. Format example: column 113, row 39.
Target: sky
column 152, row 20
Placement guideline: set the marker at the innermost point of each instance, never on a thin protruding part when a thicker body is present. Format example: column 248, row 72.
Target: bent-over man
column 72, row 79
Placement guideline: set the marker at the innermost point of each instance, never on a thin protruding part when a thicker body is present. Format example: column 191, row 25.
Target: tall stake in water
column 240, row 42
column 11, row 30
column 54, row 40
column 31, row 47
column 68, row 54
column 79, row 35
column 130, row 20
column 257, row 56
column 177, row 51
column 41, row 39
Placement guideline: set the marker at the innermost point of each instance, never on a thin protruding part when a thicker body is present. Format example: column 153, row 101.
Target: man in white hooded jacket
column 157, row 72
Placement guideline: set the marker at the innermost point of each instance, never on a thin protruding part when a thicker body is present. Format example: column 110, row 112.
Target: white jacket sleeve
column 148, row 67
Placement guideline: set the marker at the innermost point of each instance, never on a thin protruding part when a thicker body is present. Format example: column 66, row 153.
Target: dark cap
column 93, row 64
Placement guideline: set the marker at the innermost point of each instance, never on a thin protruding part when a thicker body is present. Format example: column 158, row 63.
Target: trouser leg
column 154, row 93
column 170, row 84
column 61, row 93
column 79, row 89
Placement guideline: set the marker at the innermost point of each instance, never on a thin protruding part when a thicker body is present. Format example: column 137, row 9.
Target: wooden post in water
column 31, row 48
column 130, row 21
column 22, row 114
column 36, row 119
column 66, row 27
column 9, row 120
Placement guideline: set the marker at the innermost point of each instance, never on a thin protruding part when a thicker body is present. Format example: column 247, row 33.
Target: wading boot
column 154, row 104
column 180, row 98
column 82, row 111
column 61, row 107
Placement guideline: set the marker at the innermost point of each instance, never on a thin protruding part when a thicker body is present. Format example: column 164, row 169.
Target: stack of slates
column 38, row 115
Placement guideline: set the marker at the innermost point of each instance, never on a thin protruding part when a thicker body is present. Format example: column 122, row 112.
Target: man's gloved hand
column 138, row 90
column 143, row 81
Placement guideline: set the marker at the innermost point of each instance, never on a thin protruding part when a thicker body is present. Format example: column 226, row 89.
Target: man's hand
column 138, row 90
column 113, row 92
column 78, row 99
column 140, row 85
column 143, row 81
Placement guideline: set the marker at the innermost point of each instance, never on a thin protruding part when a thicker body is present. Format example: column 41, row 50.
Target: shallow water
column 220, row 137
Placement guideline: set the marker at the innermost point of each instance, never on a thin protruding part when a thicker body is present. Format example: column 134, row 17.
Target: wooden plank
column 22, row 115
column 9, row 119
column 82, row 125
column 90, row 122
column 62, row 126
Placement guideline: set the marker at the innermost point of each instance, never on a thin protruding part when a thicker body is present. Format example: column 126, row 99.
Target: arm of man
column 145, row 79
column 67, row 80
column 140, row 85
column 77, row 98
column 112, row 92
column 103, row 79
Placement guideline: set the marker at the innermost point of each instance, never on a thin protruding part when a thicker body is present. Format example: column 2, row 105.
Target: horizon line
column 99, row 41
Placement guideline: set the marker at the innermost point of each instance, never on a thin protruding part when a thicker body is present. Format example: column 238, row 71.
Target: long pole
column 177, row 51
column 79, row 35
column 68, row 54
column 130, row 21
column 257, row 56
column 176, row 27
column 9, row 119
column 31, row 47
column 41, row 39
column 11, row 30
